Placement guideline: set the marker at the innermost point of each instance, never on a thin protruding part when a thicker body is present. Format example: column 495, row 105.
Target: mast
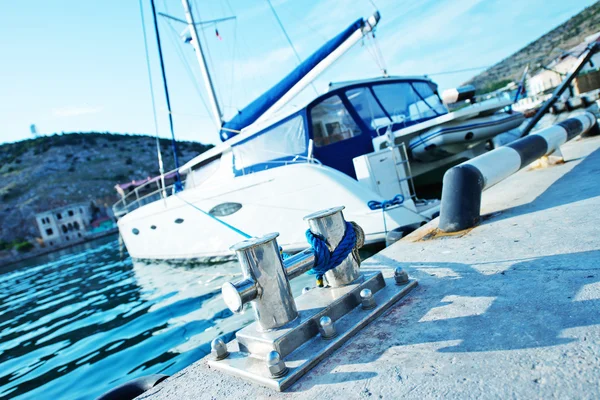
column 178, row 183
column 214, row 103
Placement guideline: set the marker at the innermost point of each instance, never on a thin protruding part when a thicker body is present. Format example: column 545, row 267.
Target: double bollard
column 291, row 335
column 267, row 277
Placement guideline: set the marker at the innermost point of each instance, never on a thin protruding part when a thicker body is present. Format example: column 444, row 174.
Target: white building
column 64, row 224
column 546, row 79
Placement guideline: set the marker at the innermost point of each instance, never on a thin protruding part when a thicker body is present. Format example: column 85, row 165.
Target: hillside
column 543, row 50
column 53, row 171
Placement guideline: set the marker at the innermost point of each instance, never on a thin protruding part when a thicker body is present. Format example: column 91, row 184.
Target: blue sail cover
column 259, row 106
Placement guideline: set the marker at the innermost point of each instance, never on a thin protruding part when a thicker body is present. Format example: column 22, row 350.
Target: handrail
column 120, row 210
column 158, row 179
column 132, row 200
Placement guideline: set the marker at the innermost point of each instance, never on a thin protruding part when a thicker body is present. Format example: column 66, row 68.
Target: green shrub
column 23, row 247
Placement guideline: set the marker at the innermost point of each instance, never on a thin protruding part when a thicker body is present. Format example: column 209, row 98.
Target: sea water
column 75, row 324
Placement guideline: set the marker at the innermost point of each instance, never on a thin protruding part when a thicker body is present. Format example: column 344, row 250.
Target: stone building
column 64, row 224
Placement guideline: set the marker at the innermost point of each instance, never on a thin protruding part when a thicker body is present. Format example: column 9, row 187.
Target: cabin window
column 332, row 123
column 199, row 176
column 49, row 231
column 367, row 108
column 431, row 99
column 276, row 145
column 59, row 216
column 399, row 100
column 409, row 102
column 70, row 212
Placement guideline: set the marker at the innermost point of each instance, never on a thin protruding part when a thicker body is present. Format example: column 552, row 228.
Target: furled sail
column 266, row 101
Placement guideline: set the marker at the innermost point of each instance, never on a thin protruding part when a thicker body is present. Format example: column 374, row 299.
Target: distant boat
column 357, row 145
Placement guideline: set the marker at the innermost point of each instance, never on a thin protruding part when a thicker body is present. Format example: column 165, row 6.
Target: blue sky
column 73, row 65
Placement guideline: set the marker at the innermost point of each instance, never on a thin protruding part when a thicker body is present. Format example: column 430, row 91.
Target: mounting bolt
column 367, row 299
column 400, row 276
column 219, row 349
column 276, row 365
column 327, row 328
column 306, row 289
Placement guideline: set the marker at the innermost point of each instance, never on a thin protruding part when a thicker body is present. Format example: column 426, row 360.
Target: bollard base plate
column 300, row 344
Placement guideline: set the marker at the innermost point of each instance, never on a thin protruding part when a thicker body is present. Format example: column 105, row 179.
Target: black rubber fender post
column 132, row 389
column 593, row 131
column 461, row 198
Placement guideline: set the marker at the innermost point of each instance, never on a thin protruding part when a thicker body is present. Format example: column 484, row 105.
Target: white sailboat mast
column 369, row 25
column 214, row 103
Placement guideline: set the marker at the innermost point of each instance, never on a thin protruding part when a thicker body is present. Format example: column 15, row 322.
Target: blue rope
column 326, row 260
column 378, row 205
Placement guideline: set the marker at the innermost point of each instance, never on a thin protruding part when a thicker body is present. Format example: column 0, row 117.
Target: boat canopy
column 356, row 109
column 259, row 106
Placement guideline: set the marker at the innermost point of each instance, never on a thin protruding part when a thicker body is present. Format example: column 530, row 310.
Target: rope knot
column 326, row 260
column 382, row 205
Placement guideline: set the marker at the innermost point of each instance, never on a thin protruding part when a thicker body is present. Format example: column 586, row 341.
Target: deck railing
column 134, row 199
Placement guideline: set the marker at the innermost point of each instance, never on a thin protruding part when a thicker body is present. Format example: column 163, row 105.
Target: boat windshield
column 279, row 144
column 404, row 103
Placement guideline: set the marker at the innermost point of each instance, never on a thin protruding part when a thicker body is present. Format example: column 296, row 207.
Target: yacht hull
column 274, row 200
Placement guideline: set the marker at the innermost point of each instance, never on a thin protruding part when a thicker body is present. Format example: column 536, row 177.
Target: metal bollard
column 265, row 282
column 331, row 225
column 266, row 276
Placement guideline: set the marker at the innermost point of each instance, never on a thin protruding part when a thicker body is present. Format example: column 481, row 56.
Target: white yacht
column 358, row 145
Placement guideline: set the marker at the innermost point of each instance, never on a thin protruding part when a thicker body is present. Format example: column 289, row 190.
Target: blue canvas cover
column 258, row 107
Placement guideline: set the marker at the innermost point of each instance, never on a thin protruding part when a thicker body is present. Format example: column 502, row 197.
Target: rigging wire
column 211, row 65
column 161, row 167
column 458, row 71
column 234, row 55
column 289, row 40
column 373, row 4
column 373, row 50
column 188, row 68
column 233, row 62
column 378, row 52
column 178, row 184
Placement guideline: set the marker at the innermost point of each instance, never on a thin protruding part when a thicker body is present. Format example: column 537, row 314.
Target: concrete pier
column 508, row 309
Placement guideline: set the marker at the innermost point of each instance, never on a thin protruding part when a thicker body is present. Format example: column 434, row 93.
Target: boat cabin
column 341, row 123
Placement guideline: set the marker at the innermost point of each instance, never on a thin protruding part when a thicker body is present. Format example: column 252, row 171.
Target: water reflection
column 75, row 325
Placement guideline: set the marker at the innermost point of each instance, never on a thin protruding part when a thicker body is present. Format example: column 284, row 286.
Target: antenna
column 33, row 130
